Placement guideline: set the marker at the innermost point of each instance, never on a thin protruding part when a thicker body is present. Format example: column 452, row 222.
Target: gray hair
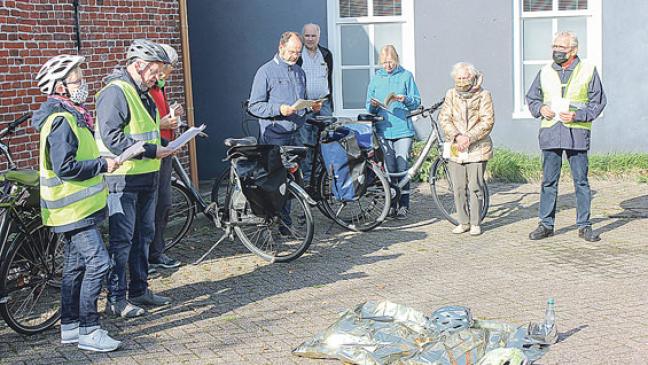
column 573, row 40
column 464, row 66
column 286, row 36
column 312, row 24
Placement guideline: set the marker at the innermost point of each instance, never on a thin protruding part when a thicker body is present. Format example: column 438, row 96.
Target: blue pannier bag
column 364, row 135
column 345, row 164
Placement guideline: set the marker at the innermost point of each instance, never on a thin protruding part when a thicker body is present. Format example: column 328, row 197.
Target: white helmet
column 171, row 52
column 56, row 69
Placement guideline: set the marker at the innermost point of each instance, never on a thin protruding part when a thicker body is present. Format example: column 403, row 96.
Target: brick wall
column 32, row 31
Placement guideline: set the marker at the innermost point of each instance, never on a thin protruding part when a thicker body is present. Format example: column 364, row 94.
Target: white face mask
column 80, row 95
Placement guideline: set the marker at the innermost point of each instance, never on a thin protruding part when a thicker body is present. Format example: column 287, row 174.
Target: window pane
column 537, row 39
column 385, row 34
column 353, row 8
column 354, row 88
column 578, row 25
column 386, row 7
column 530, row 72
column 355, row 45
column 537, row 5
column 572, row 4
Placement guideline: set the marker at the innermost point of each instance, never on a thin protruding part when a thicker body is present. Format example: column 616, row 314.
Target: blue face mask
column 160, row 83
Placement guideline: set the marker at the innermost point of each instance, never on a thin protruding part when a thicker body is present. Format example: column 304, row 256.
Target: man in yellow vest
column 126, row 114
column 567, row 95
column 73, row 197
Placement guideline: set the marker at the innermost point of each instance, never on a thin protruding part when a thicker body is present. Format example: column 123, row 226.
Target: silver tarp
column 388, row 333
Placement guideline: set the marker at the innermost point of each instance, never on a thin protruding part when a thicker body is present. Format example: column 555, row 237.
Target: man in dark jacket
column 317, row 63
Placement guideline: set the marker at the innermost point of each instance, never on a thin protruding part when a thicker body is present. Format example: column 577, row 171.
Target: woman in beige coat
column 467, row 119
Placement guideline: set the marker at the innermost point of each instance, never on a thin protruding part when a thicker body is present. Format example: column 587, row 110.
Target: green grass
column 514, row 167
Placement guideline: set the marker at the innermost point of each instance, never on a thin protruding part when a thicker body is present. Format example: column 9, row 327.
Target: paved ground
column 236, row 309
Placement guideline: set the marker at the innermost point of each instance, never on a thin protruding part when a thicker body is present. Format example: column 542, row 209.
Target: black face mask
column 560, row 57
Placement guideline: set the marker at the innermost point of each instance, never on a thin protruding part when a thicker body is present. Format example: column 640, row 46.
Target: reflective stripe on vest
column 141, row 127
column 65, row 202
column 576, row 91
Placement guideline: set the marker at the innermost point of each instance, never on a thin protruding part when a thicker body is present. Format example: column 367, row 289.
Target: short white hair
column 312, row 25
column 459, row 67
column 573, row 40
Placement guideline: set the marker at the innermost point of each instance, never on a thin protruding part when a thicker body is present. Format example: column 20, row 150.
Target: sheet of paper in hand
column 131, row 152
column 185, row 137
column 303, row 104
column 385, row 104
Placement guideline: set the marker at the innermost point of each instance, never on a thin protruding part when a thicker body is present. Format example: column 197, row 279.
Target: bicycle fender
column 302, row 193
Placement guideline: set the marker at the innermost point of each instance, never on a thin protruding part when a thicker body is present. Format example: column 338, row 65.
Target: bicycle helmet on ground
column 146, row 50
column 171, row 52
column 504, row 356
column 450, row 319
column 56, row 69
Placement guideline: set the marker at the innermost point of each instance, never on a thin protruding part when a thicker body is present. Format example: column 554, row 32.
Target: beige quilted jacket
column 473, row 117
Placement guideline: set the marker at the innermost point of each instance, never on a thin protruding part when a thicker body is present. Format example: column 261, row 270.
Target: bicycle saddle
column 369, row 118
column 321, row 120
column 294, row 150
column 22, row 177
column 245, row 141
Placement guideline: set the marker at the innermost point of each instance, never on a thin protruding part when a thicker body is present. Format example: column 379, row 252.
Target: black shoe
column 164, row 262
column 588, row 235
column 540, row 233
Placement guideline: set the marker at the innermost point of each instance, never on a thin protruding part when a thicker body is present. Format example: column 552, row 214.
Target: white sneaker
column 99, row 341
column 462, row 228
column 475, row 230
column 70, row 333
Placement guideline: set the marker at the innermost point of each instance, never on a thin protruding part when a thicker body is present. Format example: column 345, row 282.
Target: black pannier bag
column 345, row 163
column 263, row 178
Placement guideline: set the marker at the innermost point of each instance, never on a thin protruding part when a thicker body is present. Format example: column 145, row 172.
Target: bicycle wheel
column 30, row 278
column 365, row 213
column 276, row 239
column 220, row 189
column 443, row 192
column 181, row 215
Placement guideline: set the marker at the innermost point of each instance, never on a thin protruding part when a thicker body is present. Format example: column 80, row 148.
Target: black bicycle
column 276, row 238
column 31, row 256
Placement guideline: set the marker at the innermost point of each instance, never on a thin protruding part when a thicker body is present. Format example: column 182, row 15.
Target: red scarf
column 87, row 117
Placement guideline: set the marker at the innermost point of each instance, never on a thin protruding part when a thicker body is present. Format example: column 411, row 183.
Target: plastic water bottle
column 550, row 318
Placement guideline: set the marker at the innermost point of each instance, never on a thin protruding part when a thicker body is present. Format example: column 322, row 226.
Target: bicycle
column 371, row 206
column 233, row 213
column 440, row 183
column 31, row 255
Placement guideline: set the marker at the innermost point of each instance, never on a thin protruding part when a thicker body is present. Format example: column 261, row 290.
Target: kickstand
column 223, row 237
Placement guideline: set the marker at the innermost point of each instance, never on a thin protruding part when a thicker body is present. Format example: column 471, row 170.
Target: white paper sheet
column 185, row 137
column 133, row 151
column 559, row 105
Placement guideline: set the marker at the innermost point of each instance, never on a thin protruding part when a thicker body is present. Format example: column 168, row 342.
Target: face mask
column 560, row 57
column 79, row 95
column 141, row 72
column 160, row 83
column 464, row 85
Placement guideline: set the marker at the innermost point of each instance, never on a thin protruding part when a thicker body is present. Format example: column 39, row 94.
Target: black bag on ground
column 263, row 178
column 345, row 164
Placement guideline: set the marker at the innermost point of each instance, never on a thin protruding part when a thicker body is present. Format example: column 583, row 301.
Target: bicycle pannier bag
column 345, row 164
column 263, row 178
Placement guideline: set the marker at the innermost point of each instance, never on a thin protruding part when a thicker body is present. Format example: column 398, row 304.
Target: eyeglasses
column 77, row 82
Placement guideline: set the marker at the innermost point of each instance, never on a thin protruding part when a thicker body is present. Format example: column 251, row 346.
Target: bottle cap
column 551, row 301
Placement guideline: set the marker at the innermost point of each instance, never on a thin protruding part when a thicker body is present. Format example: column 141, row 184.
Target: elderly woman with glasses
column 392, row 94
column 467, row 119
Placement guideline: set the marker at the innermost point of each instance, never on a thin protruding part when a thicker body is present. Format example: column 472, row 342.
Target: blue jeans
column 162, row 209
column 131, row 229
column 551, row 164
column 86, row 263
column 307, row 135
column 396, row 155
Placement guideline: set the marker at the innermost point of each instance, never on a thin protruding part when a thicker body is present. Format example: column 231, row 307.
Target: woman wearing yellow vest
column 73, row 198
column 567, row 95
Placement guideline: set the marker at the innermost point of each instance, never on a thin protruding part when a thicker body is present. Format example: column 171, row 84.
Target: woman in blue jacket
column 396, row 131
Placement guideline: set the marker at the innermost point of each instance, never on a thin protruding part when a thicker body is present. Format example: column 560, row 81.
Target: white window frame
column 334, row 23
column 594, row 44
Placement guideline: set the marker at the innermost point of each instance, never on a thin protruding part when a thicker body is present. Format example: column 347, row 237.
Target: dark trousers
column 162, row 209
column 131, row 229
column 551, row 165
column 86, row 263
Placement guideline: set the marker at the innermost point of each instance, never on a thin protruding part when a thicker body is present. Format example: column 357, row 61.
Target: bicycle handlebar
column 429, row 110
column 12, row 126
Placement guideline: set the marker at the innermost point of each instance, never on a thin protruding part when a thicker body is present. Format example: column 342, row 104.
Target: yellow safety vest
column 576, row 90
column 141, row 127
column 66, row 201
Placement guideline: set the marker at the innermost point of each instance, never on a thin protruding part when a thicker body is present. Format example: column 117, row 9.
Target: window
column 358, row 29
column 535, row 25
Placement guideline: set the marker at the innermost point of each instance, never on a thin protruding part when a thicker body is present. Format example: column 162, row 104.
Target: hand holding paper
column 185, row 137
column 131, row 152
column 559, row 105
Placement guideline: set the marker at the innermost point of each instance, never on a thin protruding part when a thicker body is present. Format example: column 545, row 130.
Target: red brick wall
column 32, row 31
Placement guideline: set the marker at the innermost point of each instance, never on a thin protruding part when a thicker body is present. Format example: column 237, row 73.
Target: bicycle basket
column 345, row 164
column 263, row 178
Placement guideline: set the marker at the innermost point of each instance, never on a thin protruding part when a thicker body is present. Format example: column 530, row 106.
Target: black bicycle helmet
column 146, row 50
